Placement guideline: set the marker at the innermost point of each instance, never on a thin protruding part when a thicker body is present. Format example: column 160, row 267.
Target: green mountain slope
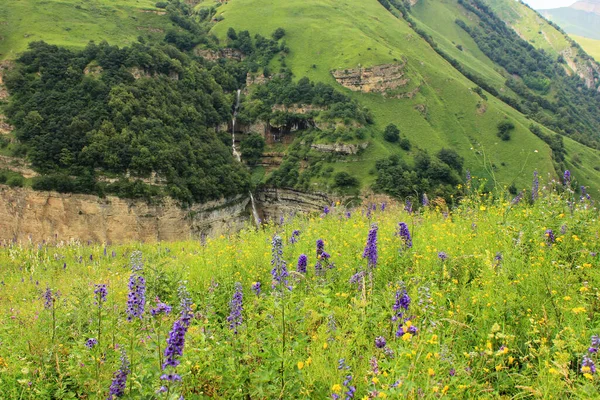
column 591, row 46
column 74, row 23
column 329, row 35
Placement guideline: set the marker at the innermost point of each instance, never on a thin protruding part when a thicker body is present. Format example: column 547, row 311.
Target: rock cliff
column 27, row 215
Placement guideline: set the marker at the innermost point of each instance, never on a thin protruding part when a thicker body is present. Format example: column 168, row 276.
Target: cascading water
column 237, row 155
column 235, row 112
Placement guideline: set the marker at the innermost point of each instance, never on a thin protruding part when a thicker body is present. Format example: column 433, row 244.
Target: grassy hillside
column 72, row 23
column 484, row 303
column 591, row 46
column 323, row 36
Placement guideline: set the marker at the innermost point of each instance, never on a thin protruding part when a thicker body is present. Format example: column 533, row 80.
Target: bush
column 504, row 129
column 278, row 34
column 15, row 181
column 344, row 179
column 451, row 158
column 392, row 133
column 405, row 144
column 161, row 4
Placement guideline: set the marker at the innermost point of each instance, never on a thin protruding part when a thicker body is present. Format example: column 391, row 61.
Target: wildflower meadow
column 493, row 297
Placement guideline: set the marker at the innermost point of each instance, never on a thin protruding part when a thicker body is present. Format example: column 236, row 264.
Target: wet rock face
column 378, row 79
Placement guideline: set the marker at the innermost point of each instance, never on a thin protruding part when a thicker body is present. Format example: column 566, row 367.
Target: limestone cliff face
column 275, row 203
column 31, row 215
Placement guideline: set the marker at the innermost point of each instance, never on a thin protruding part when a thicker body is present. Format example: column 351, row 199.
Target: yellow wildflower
column 300, row 364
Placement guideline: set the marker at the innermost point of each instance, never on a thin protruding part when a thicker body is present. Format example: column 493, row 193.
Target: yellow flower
column 431, row 372
column 375, row 380
column 300, row 365
column 308, row 361
column 382, row 395
column 578, row 310
column 499, row 367
column 406, row 337
column 589, row 376
column 325, row 346
column 482, row 208
column 337, row 388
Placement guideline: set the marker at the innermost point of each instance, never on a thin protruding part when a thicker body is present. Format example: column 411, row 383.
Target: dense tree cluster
column 432, row 175
column 80, row 124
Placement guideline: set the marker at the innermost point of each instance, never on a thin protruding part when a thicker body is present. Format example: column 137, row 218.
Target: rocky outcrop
column 276, row 203
column 298, row 108
column 378, row 79
column 340, row 148
column 29, row 215
column 215, row 55
column 5, row 127
column 18, row 165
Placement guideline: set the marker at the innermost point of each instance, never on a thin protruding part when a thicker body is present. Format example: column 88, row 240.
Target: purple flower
column 468, row 178
column 425, row 200
column 408, row 207
column 595, row 341
column 170, row 377
column 100, row 291
column 342, row 364
column 176, row 341
column 320, row 247
column 452, row 372
column 256, row 288
column 279, row 271
column 402, row 302
column 588, row 366
column 91, row 342
column 302, row 264
column 442, row 256
column 535, row 187
column 350, row 389
column 236, row 306
column 380, row 342
column 550, row 238
column 517, row 199
column 370, row 252
column 348, row 214
column 119, row 382
column 294, row 237
column 136, row 300
column 49, row 298
column 563, row 229
column 567, row 178
column 161, row 308
column 498, row 258
column 374, row 365
column 383, row 206
column 593, row 349
column 358, row 279
column 326, row 210
column 404, row 234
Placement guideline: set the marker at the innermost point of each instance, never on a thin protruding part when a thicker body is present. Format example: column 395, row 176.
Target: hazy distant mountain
column 582, row 18
column 592, row 6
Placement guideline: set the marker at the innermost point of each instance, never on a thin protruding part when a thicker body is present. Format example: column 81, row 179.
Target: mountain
column 344, row 97
column 582, row 18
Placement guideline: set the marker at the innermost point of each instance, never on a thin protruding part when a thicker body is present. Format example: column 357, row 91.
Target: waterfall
column 254, row 212
column 239, row 158
column 235, row 112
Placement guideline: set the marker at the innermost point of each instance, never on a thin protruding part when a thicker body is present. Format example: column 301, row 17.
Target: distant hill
column 582, row 18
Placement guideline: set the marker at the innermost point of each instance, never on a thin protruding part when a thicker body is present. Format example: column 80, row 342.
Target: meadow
column 496, row 298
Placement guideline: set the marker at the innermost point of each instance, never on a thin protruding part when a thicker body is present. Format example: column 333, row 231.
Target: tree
column 344, row 179
column 231, row 34
column 391, row 133
column 252, row 148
